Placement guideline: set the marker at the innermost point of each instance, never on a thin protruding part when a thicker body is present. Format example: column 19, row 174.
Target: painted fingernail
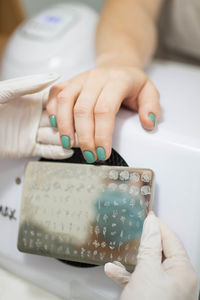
column 101, row 155
column 66, row 142
column 153, row 118
column 53, row 121
column 89, row 156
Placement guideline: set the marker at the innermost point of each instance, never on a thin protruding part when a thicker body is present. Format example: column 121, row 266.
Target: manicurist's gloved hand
column 171, row 279
column 24, row 125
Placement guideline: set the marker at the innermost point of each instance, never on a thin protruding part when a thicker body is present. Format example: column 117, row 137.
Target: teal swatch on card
column 121, row 216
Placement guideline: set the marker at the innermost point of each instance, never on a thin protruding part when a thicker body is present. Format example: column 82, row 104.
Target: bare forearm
column 126, row 33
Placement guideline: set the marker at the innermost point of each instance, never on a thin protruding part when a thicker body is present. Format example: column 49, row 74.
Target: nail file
column 84, row 213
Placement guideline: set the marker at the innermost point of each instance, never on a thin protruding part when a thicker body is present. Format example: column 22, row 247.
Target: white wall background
column 33, row 6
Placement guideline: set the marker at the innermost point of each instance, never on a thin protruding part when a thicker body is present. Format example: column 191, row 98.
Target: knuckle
column 94, row 73
column 115, row 75
column 121, row 75
column 103, row 110
column 81, row 109
column 84, row 141
column 68, row 93
column 61, row 98
column 55, row 90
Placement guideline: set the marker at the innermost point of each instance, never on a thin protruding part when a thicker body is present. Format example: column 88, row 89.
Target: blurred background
column 171, row 37
column 32, row 7
column 13, row 12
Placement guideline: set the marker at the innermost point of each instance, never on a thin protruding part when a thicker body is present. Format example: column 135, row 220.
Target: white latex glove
column 24, row 125
column 172, row 279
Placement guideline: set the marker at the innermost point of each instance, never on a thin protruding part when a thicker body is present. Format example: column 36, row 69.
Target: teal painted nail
column 153, row 118
column 53, row 121
column 89, row 156
column 101, row 155
column 65, row 142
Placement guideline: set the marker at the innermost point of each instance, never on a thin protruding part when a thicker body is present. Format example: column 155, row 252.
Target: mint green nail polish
column 153, row 118
column 89, row 156
column 65, row 142
column 101, row 155
column 53, row 121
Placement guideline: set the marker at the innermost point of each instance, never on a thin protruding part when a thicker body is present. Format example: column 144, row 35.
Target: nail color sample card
column 84, row 213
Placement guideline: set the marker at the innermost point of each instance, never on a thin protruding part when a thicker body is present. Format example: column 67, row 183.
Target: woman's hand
column 88, row 104
column 154, row 278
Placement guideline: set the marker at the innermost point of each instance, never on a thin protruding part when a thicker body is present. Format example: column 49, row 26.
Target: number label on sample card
column 91, row 214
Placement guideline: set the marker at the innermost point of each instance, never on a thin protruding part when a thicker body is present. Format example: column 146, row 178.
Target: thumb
column 17, row 87
column 150, row 249
column 117, row 272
